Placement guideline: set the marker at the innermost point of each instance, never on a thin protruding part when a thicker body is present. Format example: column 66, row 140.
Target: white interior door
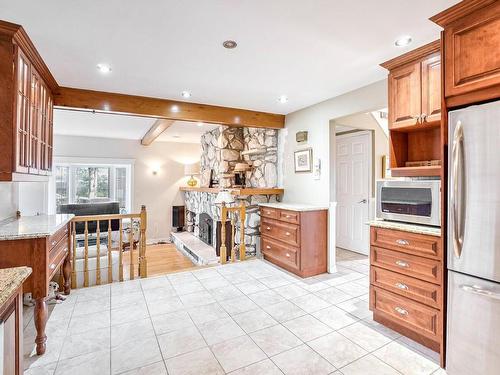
column 353, row 185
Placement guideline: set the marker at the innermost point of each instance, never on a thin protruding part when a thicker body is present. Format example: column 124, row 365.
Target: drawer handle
column 268, row 247
column 288, row 216
column 268, row 212
column 401, row 311
column 402, row 242
column 401, row 286
column 402, row 263
column 287, row 255
column 268, row 228
column 53, row 243
column 287, row 233
column 52, row 266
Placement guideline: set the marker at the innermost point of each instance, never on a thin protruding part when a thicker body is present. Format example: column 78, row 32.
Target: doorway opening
column 358, row 147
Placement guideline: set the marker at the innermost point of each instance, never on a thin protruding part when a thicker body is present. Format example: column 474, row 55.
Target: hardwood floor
column 162, row 259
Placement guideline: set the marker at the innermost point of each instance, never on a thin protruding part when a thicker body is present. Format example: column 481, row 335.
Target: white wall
column 28, row 197
column 8, row 199
column 301, row 187
column 158, row 192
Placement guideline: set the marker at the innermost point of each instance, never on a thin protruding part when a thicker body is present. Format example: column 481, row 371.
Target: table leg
column 40, row 316
column 66, row 271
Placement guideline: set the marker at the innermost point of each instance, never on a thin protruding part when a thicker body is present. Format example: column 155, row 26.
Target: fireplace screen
column 206, row 227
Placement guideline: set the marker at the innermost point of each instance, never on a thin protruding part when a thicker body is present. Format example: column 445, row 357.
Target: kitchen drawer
column 289, row 233
column 410, row 265
column 419, row 318
column 280, row 252
column 57, row 255
column 289, row 216
column 411, row 243
column 58, row 236
column 418, row 290
column 268, row 212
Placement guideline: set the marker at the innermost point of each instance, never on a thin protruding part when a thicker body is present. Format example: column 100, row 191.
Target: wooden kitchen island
column 41, row 243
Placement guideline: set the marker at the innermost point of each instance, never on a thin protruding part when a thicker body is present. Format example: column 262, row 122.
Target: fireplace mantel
column 237, row 191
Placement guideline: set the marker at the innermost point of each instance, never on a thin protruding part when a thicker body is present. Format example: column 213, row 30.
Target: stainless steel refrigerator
column 473, row 312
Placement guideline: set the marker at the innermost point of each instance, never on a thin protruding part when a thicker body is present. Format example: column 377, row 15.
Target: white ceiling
column 88, row 124
column 308, row 50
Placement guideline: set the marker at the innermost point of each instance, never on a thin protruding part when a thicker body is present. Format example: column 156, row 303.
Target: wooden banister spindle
column 86, row 255
column 120, row 250
column 110, row 268
column 223, row 250
column 98, row 253
column 131, row 246
column 233, row 252
column 243, row 251
column 73, row 271
column 143, row 265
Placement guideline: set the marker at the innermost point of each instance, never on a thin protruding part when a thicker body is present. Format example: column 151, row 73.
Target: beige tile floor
column 245, row 318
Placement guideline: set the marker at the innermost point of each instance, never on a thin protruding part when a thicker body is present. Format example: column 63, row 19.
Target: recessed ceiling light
column 186, row 94
column 176, row 136
column 200, row 124
column 230, row 44
column 104, row 68
column 283, row 99
column 403, row 41
column 174, row 108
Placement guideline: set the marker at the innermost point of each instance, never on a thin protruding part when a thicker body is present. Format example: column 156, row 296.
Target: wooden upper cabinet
column 26, row 108
column 415, row 88
column 431, row 89
column 404, row 96
column 471, row 51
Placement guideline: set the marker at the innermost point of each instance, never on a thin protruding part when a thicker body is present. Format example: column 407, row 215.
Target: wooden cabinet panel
column 414, row 266
column 411, row 243
column 418, row 290
column 22, row 113
column 295, row 240
column 404, row 96
column 282, row 231
column 431, row 89
column 420, row 318
column 285, row 254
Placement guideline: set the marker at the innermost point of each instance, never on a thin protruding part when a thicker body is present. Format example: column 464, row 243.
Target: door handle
column 478, row 290
column 457, row 190
column 363, row 201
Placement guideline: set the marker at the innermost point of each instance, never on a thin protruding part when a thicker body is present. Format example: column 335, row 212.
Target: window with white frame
column 92, row 182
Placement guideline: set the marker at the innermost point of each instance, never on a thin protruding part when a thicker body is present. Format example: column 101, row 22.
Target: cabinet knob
column 52, row 266
column 402, row 242
column 287, row 233
column 400, row 310
column 287, row 255
column 401, row 286
column 53, row 243
column 268, row 228
column 288, row 216
column 268, row 247
column 402, row 263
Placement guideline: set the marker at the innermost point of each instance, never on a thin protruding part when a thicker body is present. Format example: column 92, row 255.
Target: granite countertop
column 10, row 280
column 32, row 226
column 294, row 206
column 407, row 227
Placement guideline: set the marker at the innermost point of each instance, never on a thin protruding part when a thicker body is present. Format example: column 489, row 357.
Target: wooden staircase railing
column 233, row 213
column 140, row 217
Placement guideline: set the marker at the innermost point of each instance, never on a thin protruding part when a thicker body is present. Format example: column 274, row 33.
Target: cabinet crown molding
column 19, row 36
column 413, row 55
column 459, row 10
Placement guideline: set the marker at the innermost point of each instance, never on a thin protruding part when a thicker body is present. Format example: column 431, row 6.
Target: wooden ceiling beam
column 163, row 108
column 155, row 131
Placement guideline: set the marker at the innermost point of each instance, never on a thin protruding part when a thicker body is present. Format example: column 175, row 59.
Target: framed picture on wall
column 303, row 160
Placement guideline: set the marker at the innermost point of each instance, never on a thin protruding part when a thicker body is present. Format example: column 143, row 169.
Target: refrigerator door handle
column 457, row 192
column 477, row 290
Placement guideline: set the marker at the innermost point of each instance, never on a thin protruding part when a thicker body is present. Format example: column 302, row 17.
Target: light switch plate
column 317, row 169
